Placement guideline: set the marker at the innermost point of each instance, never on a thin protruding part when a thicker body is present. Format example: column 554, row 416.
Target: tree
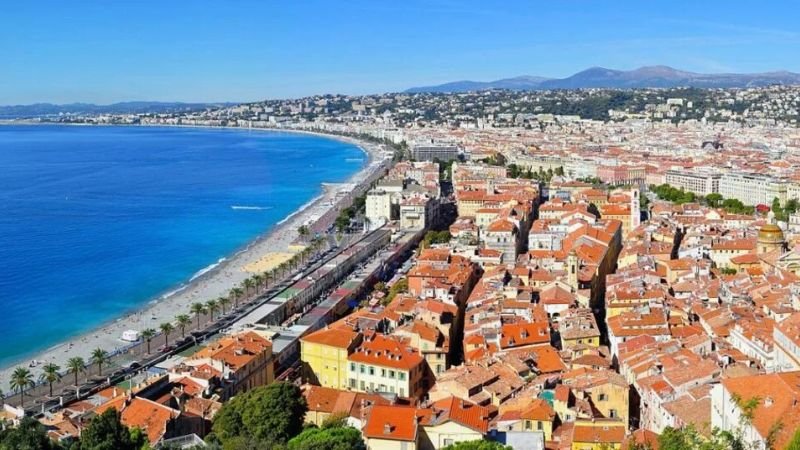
column 50, row 375
column 268, row 414
column 30, row 434
column 794, row 443
column 223, row 303
column 183, row 321
column 76, row 365
column 477, row 445
column 212, row 307
column 247, row 283
column 99, row 357
column 303, row 231
column 328, row 438
column 236, row 294
column 258, row 280
column 106, row 432
column 197, row 309
column 166, row 329
column 399, row 286
column 148, row 336
column 21, row 379
column 714, row 199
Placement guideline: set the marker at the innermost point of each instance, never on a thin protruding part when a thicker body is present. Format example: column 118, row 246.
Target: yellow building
column 607, row 389
column 598, row 434
column 324, row 355
column 530, row 415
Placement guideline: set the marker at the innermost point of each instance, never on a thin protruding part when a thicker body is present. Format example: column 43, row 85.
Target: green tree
column 714, row 199
column 76, row 365
column 183, row 321
column 50, row 374
column 148, row 336
column 236, row 294
column 197, row 309
column 166, row 329
column 212, row 307
column 21, row 379
column 794, row 443
column 106, row 432
column 303, row 231
column 30, row 434
column 99, row 357
column 267, row 415
column 328, row 438
column 477, row 445
column 225, row 301
column 399, row 286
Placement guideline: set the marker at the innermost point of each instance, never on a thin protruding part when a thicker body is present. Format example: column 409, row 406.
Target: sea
column 96, row 221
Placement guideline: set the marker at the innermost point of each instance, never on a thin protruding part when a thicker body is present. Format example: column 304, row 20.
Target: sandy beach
column 261, row 253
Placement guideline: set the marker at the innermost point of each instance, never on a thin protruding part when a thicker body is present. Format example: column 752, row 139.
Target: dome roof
column 770, row 232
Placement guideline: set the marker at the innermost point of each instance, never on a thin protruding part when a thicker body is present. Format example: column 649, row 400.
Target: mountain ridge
column 658, row 76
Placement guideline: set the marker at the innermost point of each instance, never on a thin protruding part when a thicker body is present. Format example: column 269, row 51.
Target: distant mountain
column 643, row 77
column 49, row 109
column 522, row 83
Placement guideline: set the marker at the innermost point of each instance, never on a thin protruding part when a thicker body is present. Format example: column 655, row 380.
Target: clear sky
column 108, row 51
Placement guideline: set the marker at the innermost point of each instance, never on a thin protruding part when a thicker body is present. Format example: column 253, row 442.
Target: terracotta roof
column 392, row 422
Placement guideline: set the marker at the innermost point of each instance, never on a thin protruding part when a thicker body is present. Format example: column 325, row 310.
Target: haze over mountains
column 643, row 77
column 49, row 109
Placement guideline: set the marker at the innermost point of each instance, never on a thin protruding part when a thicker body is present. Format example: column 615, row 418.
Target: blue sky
column 175, row 50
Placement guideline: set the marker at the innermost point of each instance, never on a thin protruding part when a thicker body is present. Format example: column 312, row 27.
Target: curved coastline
column 209, row 282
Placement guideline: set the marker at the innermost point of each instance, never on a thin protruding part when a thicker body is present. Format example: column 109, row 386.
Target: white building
column 752, row 189
column 696, row 182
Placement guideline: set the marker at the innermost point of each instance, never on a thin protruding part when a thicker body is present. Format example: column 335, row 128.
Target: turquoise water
column 97, row 221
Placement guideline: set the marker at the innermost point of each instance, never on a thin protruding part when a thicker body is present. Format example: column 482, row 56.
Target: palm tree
column 21, row 379
column 148, row 336
column 247, row 283
column 223, row 302
column 212, row 307
column 166, row 328
column 76, row 365
column 197, row 309
column 303, row 231
column 183, row 321
column 258, row 280
column 99, row 357
column 50, row 375
column 268, row 278
column 236, row 294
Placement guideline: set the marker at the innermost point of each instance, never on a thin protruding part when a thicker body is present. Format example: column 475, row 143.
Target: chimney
column 387, row 428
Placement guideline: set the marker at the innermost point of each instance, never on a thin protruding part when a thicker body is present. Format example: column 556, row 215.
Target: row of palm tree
column 22, row 378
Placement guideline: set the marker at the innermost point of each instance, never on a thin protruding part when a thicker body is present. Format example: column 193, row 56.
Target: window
column 353, row 367
column 383, row 373
column 361, row 385
column 352, row 383
column 371, row 370
column 539, row 425
column 601, row 397
column 612, row 413
column 391, row 374
column 361, row 368
column 401, row 376
column 527, row 424
column 448, row 442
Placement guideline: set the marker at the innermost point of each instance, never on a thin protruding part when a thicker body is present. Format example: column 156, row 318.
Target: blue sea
column 98, row 221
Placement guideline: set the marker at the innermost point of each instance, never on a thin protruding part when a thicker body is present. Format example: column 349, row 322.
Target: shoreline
column 211, row 281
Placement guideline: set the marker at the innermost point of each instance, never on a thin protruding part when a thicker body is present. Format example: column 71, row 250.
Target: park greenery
column 714, row 200
column 104, row 432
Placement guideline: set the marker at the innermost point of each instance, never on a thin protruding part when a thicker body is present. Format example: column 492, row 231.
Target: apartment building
column 752, row 188
column 700, row 183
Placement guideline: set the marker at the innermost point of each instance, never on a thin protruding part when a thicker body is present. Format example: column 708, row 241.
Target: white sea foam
column 300, row 209
column 256, row 208
column 207, row 269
